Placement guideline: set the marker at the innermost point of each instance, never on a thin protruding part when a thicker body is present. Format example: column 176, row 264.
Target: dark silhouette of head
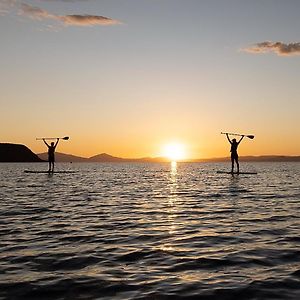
column 52, row 144
column 234, row 140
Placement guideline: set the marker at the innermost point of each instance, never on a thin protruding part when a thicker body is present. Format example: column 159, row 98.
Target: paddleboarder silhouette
column 51, row 150
column 234, row 154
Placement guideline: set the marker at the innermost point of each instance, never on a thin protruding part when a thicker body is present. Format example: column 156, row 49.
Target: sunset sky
column 127, row 77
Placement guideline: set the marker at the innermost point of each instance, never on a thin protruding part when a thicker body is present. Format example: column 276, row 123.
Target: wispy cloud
column 86, row 20
column 6, row 6
column 37, row 13
column 279, row 48
column 75, row 20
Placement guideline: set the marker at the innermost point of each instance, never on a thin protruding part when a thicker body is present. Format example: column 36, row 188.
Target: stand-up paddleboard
column 47, row 172
column 236, row 173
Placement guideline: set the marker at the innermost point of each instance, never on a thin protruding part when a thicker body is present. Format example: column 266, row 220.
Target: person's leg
column 237, row 164
column 232, row 164
column 51, row 163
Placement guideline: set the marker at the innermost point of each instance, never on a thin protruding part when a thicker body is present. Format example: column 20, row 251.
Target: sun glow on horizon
column 174, row 151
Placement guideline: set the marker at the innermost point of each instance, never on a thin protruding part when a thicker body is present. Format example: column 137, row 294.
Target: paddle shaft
column 63, row 138
column 248, row 136
column 233, row 134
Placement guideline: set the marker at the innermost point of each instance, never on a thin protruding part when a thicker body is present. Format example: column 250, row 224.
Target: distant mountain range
column 260, row 158
column 104, row 157
column 20, row 153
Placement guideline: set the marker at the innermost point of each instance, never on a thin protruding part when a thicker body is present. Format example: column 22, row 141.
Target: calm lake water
column 150, row 231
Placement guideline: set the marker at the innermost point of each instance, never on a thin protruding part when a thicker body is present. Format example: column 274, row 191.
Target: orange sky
column 127, row 85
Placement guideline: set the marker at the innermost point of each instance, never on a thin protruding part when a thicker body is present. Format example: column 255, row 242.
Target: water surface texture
column 150, row 231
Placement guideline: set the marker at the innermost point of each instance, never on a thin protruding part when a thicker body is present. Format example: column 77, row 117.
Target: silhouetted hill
column 62, row 157
column 104, row 157
column 17, row 153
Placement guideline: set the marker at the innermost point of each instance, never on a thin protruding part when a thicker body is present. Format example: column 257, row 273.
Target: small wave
column 214, row 263
column 134, row 256
column 296, row 273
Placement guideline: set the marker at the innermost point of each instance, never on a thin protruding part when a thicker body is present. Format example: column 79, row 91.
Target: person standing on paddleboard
column 234, row 154
column 51, row 150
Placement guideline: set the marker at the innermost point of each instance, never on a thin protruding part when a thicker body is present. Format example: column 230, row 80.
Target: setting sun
column 174, row 151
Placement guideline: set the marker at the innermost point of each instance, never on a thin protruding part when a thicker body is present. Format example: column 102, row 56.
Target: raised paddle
column 63, row 138
column 248, row 136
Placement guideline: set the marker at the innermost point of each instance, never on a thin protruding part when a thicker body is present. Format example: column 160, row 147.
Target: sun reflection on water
column 172, row 198
column 173, row 171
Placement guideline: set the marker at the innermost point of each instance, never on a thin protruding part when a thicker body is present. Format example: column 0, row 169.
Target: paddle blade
column 250, row 137
column 65, row 138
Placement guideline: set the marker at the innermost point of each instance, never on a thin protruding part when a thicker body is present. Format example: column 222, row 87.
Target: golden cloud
column 279, row 48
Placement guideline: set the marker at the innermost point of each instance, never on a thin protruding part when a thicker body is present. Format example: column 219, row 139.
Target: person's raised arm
column 57, row 140
column 228, row 138
column 241, row 139
column 46, row 143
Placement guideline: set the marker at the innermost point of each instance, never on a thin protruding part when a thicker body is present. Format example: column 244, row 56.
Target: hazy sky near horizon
column 128, row 76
